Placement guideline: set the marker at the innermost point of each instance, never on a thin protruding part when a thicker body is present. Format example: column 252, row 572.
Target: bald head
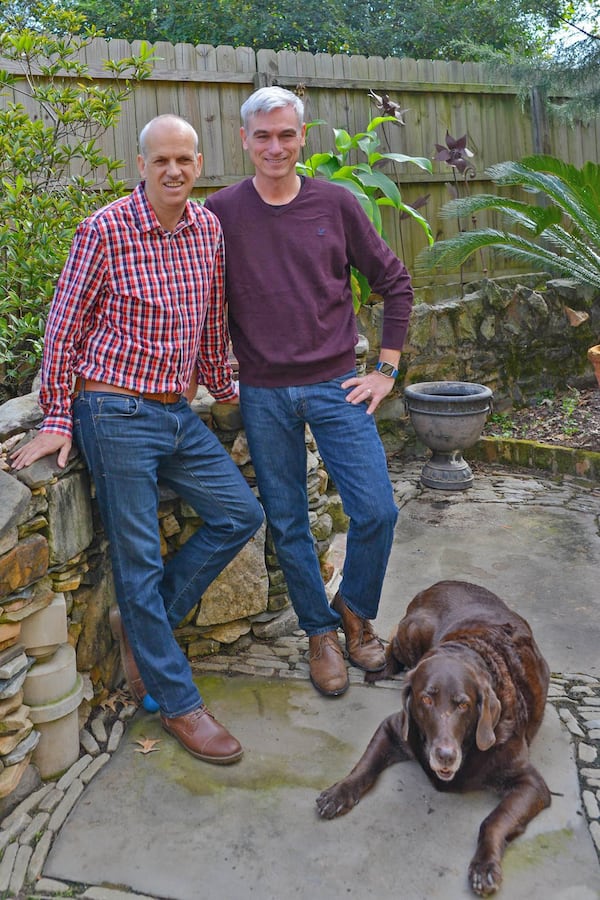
column 166, row 122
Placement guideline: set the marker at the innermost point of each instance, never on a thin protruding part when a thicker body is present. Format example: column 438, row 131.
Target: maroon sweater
column 288, row 282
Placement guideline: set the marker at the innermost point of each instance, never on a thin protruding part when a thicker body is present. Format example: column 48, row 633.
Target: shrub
column 52, row 169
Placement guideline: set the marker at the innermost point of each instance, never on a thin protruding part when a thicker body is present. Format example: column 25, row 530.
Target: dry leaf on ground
column 147, row 745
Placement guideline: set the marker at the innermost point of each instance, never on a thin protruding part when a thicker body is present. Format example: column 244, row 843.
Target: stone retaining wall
column 513, row 335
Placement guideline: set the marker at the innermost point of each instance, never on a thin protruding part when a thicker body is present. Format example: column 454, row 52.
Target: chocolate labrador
column 472, row 701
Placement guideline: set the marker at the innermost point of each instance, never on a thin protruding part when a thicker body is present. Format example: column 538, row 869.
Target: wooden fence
column 207, row 85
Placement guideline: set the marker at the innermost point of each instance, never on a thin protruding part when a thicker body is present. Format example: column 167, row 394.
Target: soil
column 570, row 419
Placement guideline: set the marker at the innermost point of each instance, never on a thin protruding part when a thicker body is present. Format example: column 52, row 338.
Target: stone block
column 16, row 721
column 8, row 742
column 44, row 631
column 10, row 704
column 8, row 538
column 241, row 589
column 240, row 453
column 51, row 679
column 58, row 726
column 229, row 632
column 11, row 776
column 9, row 634
column 19, row 414
column 70, row 517
column 227, row 416
column 24, row 564
column 12, row 686
column 91, row 604
column 30, row 601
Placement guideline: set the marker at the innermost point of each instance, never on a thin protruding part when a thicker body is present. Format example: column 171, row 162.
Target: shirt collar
column 147, row 217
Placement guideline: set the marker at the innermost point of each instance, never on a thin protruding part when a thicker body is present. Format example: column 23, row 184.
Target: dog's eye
column 426, row 700
column 463, row 705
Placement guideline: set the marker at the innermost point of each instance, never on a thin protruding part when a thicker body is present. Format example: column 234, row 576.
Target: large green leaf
column 559, row 231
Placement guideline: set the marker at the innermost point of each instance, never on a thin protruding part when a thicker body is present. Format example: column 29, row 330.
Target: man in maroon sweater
column 290, row 244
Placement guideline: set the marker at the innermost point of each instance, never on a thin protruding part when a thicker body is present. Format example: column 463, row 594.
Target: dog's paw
column 336, row 801
column 485, row 877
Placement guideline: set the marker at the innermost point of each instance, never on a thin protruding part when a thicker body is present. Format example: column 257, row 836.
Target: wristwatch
column 386, row 369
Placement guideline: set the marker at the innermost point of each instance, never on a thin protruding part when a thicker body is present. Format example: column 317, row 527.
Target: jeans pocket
column 116, row 406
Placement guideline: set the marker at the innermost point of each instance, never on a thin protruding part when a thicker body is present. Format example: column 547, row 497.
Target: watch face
column 386, row 369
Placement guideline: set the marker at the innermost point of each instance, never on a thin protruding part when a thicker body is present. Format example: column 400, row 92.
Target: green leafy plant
column 373, row 187
column 502, row 424
column 557, row 232
column 569, row 404
column 53, row 171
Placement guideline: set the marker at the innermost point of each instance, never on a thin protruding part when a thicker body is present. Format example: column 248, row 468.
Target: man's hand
column 371, row 389
column 43, row 444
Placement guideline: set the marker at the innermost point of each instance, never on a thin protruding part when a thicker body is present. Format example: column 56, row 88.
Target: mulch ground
column 570, row 419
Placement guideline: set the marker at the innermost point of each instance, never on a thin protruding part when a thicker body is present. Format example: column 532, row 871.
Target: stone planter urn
column 448, row 417
column 593, row 355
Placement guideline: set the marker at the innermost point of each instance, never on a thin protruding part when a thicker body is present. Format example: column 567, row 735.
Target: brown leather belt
column 85, row 384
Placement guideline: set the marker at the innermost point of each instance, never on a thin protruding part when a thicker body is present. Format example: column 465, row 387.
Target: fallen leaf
column 111, row 701
column 147, row 745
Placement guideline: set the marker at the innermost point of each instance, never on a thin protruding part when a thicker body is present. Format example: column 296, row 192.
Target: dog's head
column 451, row 702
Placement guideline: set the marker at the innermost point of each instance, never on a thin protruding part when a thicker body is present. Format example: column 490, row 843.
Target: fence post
column 539, row 123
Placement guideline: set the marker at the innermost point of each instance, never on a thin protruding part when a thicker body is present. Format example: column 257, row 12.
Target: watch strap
column 386, row 369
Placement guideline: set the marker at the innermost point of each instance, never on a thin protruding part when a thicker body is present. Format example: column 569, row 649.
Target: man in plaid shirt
column 138, row 317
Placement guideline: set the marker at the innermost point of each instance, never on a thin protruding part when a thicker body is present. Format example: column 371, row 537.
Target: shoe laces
column 201, row 711
column 328, row 638
column 368, row 635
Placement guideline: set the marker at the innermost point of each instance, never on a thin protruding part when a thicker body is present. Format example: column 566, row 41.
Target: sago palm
column 557, row 233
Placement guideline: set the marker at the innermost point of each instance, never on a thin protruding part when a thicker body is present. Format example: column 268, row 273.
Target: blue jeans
column 129, row 444
column 347, row 438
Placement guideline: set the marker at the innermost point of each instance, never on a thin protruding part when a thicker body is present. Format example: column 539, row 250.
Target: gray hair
column 266, row 99
column 176, row 120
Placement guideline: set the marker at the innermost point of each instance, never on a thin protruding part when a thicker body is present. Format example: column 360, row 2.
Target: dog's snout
column 445, row 754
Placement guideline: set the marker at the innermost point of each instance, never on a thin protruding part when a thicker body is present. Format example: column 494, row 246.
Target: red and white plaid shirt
column 138, row 307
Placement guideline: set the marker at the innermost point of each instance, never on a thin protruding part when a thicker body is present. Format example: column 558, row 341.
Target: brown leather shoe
column 130, row 669
column 328, row 671
column 202, row 736
column 364, row 648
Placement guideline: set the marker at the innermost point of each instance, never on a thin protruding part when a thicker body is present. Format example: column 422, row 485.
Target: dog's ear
column 405, row 712
column 489, row 713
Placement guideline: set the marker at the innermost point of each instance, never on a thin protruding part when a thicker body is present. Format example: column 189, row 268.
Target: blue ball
column 150, row 704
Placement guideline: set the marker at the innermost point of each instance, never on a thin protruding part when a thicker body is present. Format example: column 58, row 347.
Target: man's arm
column 214, row 368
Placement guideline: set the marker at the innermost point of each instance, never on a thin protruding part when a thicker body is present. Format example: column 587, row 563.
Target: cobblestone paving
column 26, row 835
